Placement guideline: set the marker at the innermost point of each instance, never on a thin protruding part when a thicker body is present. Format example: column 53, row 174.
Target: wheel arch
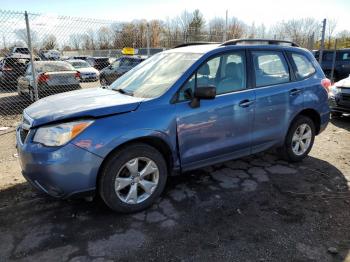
column 158, row 143
column 313, row 115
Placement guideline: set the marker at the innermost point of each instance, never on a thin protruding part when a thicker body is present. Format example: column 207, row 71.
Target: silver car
column 87, row 72
column 51, row 77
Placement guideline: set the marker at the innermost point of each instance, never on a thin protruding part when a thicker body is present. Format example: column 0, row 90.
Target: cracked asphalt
column 257, row 208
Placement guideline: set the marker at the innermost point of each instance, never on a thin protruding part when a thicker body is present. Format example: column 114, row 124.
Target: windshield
column 22, row 50
column 80, row 64
column 53, row 67
column 155, row 75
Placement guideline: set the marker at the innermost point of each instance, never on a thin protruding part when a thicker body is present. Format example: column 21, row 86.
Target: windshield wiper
column 122, row 91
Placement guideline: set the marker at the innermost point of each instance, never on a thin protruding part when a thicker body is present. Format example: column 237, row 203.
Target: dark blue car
column 179, row 110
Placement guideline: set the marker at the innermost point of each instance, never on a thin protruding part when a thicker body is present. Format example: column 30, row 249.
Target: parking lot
column 12, row 104
column 257, row 208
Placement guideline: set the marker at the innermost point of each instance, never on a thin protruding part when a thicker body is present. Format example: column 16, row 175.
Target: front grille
column 346, row 97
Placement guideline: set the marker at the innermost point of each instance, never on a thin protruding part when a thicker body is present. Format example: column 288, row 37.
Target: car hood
column 345, row 83
column 94, row 102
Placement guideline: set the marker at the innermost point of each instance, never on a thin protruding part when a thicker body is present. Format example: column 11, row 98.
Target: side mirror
column 205, row 92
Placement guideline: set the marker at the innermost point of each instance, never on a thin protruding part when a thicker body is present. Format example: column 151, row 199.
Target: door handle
column 295, row 92
column 245, row 103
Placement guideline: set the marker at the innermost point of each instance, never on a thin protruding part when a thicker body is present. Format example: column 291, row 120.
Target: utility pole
column 333, row 61
column 225, row 30
column 148, row 38
column 324, row 22
column 35, row 86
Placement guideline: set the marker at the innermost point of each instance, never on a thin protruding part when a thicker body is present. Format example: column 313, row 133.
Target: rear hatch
column 63, row 78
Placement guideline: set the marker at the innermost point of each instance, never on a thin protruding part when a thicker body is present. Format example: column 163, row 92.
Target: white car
column 20, row 52
column 87, row 72
column 52, row 54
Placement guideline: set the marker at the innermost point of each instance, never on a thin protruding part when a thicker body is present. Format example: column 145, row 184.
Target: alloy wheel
column 301, row 139
column 137, row 180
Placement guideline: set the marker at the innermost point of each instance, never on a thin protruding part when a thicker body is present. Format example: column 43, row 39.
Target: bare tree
column 155, row 28
column 236, row 28
column 49, row 42
column 75, row 40
column 216, row 29
column 297, row 30
column 184, row 21
column 331, row 25
column 105, row 37
column 22, row 36
column 171, row 32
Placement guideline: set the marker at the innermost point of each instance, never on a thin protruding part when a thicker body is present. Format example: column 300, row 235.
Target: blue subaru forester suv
column 182, row 109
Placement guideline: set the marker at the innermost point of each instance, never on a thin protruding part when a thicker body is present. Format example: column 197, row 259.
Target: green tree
column 196, row 25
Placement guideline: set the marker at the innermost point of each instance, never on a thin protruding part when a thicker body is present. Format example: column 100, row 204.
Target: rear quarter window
column 303, row 66
column 345, row 56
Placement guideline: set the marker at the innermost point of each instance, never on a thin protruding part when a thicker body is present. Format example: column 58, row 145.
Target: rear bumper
column 89, row 77
column 60, row 172
column 50, row 90
column 324, row 121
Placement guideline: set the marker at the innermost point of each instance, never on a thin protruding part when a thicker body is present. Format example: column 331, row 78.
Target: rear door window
column 270, row 68
column 345, row 56
column 304, row 67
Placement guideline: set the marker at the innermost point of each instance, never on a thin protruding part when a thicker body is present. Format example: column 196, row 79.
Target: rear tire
column 132, row 178
column 299, row 139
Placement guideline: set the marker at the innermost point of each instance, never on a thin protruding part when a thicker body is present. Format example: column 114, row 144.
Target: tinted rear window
column 22, row 50
column 345, row 56
column 102, row 60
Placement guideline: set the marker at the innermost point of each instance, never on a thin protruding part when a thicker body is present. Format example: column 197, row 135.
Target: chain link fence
column 41, row 55
column 44, row 54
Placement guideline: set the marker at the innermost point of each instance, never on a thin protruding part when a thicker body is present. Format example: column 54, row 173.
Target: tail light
column 6, row 68
column 77, row 75
column 43, row 78
column 326, row 83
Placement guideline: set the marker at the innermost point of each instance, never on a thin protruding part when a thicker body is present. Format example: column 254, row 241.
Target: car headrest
column 233, row 70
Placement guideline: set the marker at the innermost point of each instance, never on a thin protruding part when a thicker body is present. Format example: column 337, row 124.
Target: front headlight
column 333, row 91
column 60, row 134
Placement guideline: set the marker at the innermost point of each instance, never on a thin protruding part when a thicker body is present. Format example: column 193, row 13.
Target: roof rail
column 196, row 43
column 264, row 41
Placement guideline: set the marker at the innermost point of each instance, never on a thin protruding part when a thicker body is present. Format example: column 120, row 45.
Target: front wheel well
column 314, row 116
column 155, row 142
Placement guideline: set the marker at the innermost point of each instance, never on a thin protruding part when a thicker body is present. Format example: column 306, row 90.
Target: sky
column 267, row 12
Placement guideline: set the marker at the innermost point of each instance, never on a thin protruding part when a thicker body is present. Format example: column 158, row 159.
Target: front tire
column 299, row 139
column 132, row 178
